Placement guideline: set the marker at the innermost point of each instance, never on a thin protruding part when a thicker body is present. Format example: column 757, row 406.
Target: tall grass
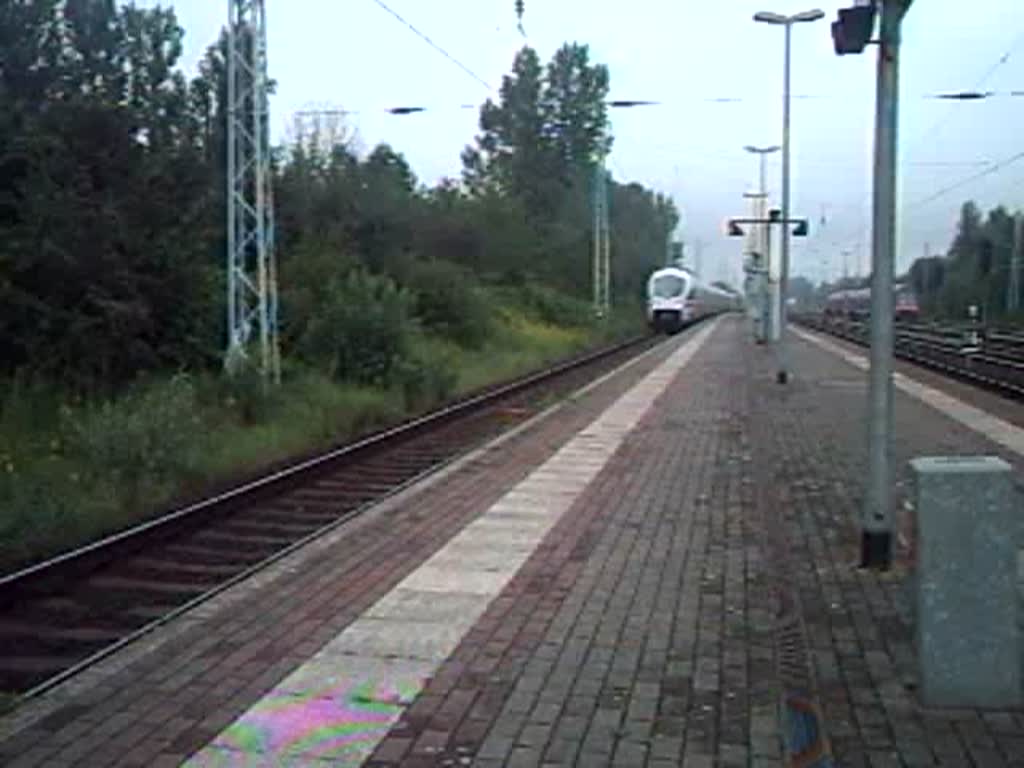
column 72, row 470
column 93, row 468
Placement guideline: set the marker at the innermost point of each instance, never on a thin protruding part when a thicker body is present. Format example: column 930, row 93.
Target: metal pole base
column 876, row 550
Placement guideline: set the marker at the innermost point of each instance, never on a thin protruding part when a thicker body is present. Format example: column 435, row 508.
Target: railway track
column 63, row 615
column 992, row 359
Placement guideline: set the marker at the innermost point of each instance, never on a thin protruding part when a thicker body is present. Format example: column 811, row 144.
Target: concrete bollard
column 966, row 609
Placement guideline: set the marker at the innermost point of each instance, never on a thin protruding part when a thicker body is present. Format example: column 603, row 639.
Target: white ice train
column 676, row 297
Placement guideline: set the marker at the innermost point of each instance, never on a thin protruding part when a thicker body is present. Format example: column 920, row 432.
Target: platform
column 637, row 578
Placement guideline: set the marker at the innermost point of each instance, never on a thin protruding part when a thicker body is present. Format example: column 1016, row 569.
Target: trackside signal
column 852, row 32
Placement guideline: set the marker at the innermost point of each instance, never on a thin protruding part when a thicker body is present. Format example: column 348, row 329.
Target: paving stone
column 859, row 621
column 639, row 632
column 339, row 578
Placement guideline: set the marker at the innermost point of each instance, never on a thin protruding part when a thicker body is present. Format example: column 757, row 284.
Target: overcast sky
column 352, row 54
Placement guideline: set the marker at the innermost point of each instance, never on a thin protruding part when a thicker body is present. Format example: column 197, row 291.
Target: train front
column 668, row 291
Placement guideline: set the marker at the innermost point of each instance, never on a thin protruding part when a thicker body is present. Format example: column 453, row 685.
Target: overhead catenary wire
column 985, row 77
column 1001, row 61
column 991, row 169
column 411, row 109
column 434, row 45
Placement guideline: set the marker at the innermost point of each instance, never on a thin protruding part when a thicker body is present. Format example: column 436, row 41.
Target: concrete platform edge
column 27, row 714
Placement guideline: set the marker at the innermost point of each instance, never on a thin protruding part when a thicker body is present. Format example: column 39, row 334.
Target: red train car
column 855, row 304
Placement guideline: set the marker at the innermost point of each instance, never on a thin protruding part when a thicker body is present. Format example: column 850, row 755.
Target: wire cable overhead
column 994, row 168
column 435, row 46
column 975, row 90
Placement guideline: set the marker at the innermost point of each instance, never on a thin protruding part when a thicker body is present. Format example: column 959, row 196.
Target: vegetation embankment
column 72, row 470
column 394, row 294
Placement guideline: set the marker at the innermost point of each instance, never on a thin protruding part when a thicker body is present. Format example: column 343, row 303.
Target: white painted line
column 995, row 429
column 343, row 701
column 30, row 713
column 432, row 577
column 385, row 639
column 409, row 604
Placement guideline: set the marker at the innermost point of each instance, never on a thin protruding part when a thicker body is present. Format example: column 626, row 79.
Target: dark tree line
column 974, row 271
column 540, row 146
column 108, row 193
column 112, row 201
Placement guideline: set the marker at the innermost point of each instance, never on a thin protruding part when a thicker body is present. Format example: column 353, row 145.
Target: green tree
column 975, row 271
column 102, row 240
column 386, row 209
column 112, row 202
column 575, row 110
column 977, row 266
column 960, row 287
column 642, row 222
column 926, row 277
column 538, row 145
column 513, row 151
column 547, row 130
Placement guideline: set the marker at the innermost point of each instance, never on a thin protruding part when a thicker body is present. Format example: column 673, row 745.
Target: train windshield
column 668, row 286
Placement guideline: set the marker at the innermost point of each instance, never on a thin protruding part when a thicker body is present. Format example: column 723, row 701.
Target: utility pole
column 760, row 243
column 760, row 262
column 846, row 282
column 733, row 229
column 876, row 524
column 783, row 372
column 926, row 278
column 251, row 263
column 602, row 243
column 1013, row 287
column 787, row 22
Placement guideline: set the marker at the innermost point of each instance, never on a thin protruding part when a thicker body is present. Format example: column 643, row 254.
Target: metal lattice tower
column 1013, row 285
column 251, row 264
column 602, row 265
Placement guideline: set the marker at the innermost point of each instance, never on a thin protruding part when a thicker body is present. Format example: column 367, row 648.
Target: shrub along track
column 993, row 360
column 63, row 615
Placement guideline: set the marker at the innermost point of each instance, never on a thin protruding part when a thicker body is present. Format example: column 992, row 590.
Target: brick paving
column 168, row 701
column 858, row 623
column 642, row 631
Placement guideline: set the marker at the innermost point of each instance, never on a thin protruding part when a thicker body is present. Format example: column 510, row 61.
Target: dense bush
column 449, row 302
column 551, row 306
column 144, row 441
column 112, row 242
column 361, row 331
column 89, row 468
column 427, row 374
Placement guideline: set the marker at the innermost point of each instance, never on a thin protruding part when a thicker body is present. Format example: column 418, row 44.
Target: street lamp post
column 766, row 299
column 787, row 22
